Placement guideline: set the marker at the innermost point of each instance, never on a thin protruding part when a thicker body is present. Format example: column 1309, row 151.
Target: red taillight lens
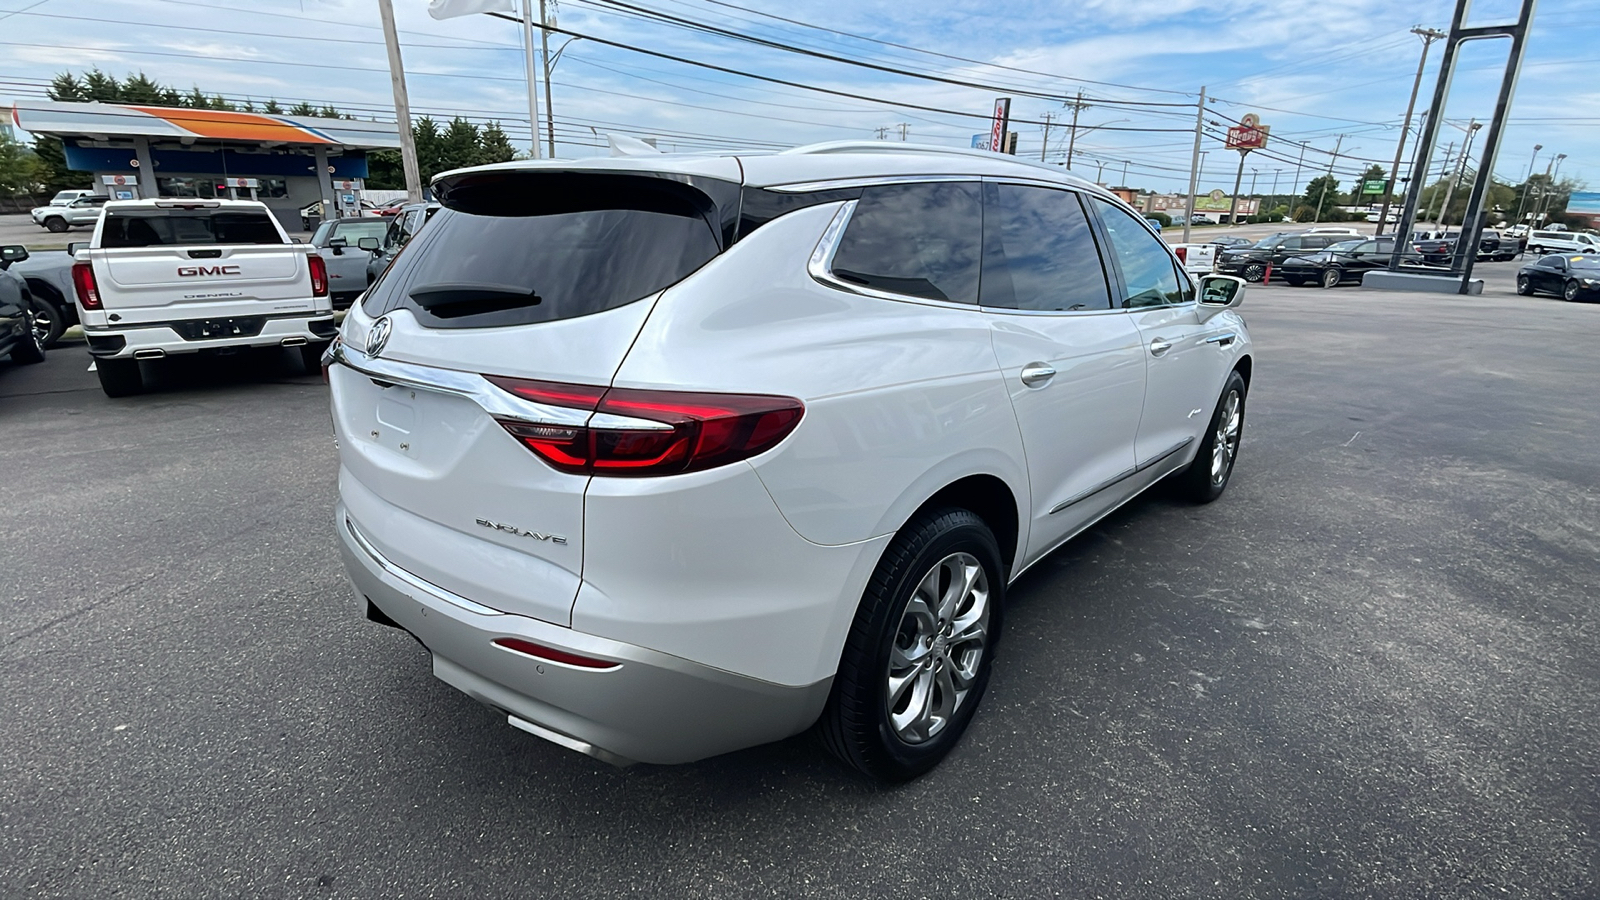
column 319, row 276
column 539, row 651
column 706, row 430
column 1182, row 253
column 83, row 281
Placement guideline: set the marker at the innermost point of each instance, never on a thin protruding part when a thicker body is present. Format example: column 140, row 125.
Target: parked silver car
column 338, row 243
column 82, row 211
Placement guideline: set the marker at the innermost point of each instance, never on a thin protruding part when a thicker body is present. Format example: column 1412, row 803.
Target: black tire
column 311, row 357
column 1524, row 285
column 857, row 725
column 48, row 321
column 1331, row 278
column 1571, row 291
column 1199, row 483
column 55, row 225
column 31, row 349
column 1536, row 250
column 1294, row 281
column 1254, row 272
column 119, row 377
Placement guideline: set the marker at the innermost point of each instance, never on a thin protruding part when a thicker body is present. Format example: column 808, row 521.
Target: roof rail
column 903, row 147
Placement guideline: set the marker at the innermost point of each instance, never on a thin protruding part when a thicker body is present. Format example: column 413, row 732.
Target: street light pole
column 1253, row 173
column 1525, row 181
column 1322, row 196
column 1428, row 36
column 549, row 103
column 1461, row 167
column 1072, row 138
column 1274, row 193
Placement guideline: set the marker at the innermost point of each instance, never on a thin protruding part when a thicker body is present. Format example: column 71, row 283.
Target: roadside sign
column 980, row 141
column 1002, row 121
column 1374, row 186
column 1249, row 134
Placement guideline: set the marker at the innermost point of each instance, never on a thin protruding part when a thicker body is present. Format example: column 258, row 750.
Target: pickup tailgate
column 159, row 265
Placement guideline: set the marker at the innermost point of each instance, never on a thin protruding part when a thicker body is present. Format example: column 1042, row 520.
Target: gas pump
column 121, row 187
column 347, row 197
column 235, row 185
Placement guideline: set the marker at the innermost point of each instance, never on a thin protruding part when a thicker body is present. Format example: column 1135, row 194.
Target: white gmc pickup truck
column 166, row 277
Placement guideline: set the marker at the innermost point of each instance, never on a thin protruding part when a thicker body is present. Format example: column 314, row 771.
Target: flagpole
column 533, row 88
column 402, row 107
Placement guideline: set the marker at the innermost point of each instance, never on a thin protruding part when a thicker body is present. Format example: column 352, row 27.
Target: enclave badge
column 378, row 336
column 512, row 529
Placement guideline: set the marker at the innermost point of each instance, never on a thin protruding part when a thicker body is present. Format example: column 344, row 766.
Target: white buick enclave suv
column 664, row 457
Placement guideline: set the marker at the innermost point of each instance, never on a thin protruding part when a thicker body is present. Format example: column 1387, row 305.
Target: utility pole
column 1099, row 170
column 1194, row 163
column 903, row 126
column 883, row 132
column 1525, row 181
column 1323, row 194
column 1428, row 35
column 1444, row 171
column 1253, row 173
column 1298, row 163
column 1460, row 169
column 549, row 103
column 1274, row 194
column 1072, row 140
column 402, row 109
column 1048, row 118
column 533, row 88
column 1549, row 190
column 1125, row 174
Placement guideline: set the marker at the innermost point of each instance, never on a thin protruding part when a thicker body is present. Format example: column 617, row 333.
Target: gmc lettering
column 193, row 271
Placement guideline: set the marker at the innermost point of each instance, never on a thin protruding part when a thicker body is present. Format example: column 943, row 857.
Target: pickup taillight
column 1182, row 253
column 83, row 282
column 319, row 276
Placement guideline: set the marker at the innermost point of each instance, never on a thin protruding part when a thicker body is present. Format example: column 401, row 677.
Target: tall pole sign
column 1002, row 122
column 1248, row 135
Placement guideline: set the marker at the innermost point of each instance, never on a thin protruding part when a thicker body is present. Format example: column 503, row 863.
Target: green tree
column 97, row 85
column 196, row 99
column 67, row 88
column 1374, row 172
column 1322, row 195
column 302, row 109
column 19, row 169
column 272, row 108
column 458, row 147
column 52, row 166
column 141, row 89
column 384, row 171
column 494, row 146
column 429, row 140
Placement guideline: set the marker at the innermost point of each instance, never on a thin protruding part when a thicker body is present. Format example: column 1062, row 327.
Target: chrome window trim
column 820, row 266
column 428, row 587
column 497, row 403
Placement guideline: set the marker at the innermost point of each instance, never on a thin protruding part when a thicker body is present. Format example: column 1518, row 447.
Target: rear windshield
column 186, row 227
column 575, row 246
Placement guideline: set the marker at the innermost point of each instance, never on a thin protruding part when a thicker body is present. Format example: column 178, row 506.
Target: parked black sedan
column 1574, row 276
column 1343, row 262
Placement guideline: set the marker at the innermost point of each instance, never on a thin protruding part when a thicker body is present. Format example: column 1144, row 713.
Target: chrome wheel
column 1225, row 443
column 1570, row 292
column 938, row 648
column 1524, row 286
column 1254, row 272
column 1331, row 277
column 43, row 322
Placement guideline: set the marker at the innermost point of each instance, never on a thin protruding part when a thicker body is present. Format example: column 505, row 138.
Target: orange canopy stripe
column 212, row 123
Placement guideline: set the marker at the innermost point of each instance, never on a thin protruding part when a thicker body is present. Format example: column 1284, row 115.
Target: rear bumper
column 652, row 707
column 157, row 340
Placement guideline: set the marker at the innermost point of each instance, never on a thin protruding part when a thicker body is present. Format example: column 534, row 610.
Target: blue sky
column 1312, row 71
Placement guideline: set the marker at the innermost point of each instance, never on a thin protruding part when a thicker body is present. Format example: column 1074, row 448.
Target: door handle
column 1159, row 347
column 1035, row 374
column 1225, row 339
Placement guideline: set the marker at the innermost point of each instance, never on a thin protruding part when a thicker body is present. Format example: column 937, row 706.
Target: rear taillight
column 692, row 430
column 83, row 281
column 1182, row 253
column 319, row 276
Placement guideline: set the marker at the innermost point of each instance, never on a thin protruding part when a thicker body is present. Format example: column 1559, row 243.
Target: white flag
column 449, row 9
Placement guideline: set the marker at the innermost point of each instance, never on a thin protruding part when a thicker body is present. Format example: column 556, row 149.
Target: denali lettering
column 193, row 271
column 512, row 529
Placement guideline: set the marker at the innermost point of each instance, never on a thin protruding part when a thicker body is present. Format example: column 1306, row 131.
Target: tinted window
column 1149, row 274
column 1551, row 261
column 1039, row 252
column 354, row 231
column 472, row 271
column 922, row 240
column 183, row 227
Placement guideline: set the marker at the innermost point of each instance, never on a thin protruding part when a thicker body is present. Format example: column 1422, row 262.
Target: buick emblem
column 378, row 336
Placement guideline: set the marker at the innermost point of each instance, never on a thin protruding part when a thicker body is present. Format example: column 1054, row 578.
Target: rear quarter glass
column 523, row 248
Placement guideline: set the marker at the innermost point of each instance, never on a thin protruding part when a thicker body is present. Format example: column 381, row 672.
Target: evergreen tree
column 272, row 108
column 196, row 99
column 494, row 146
column 97, row 85
column 141, row 89
column 429, row 143
column 458, row 146
column 1321, row 196
column 328, row 112
column 67, row 88
column 302, row 109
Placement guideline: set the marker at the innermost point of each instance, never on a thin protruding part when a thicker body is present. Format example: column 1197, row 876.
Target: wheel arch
column 44, row 290
column 988, row 497
column 1245, row 367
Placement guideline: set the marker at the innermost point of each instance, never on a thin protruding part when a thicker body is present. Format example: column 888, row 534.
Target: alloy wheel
column 938, row 648
column 1330, row 278
column 42, row 323
column 1225, row 445
column 1254, row 272
column 1571, row 291
column 1524, row 286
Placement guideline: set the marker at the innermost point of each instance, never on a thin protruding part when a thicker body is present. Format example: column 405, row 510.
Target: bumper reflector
column 550, row 654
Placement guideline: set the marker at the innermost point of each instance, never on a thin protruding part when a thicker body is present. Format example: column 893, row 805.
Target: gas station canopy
column 106, row 120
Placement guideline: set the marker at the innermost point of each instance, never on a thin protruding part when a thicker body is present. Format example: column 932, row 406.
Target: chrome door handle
column 1035, row 374
column 1224, row 339
column 1159, row 347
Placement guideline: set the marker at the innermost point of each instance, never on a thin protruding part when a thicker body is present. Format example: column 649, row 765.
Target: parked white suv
column 167, row 277
column 664, row 457
column 1541, row 242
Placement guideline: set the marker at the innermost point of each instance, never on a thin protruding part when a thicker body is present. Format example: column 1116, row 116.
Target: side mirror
column 75, row 246
column 368, row 243
column 1219, row 292
column 337, row 245
column 13, row 253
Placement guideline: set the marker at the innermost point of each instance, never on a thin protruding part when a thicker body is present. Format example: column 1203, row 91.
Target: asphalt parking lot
column 1367, row 671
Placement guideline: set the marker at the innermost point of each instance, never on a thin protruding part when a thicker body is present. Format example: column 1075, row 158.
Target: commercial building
column 287, row 162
